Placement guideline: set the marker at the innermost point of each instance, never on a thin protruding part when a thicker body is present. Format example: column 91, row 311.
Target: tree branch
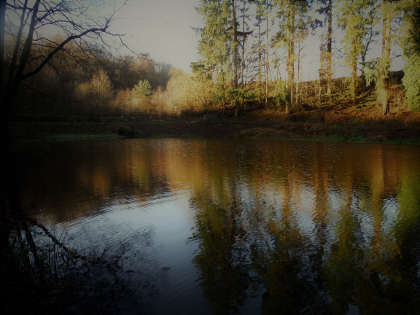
column 62, row 44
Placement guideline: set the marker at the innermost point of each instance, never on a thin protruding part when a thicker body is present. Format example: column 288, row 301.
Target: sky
column 162, row 28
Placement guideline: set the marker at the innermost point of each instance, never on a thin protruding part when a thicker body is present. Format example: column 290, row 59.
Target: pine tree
column 356, row 18
column 235, row 46
column 214, row 45
column 410, row 42
column 289, row 12
column 326, row 47
column 258, row 46
column 244, row 33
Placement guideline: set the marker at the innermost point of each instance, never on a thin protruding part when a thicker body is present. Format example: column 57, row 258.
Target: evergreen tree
column 259, row 47
column 410, row 43
column 326, row 48
column 244, row 33
column 289, row 12
column 214, row 45
column 356, row 17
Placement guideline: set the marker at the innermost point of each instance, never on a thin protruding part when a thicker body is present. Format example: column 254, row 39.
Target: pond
column 249, row 227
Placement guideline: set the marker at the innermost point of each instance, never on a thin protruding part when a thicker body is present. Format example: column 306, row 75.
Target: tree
column 235, row 46
column 141, row 92
column 244, row 34
column 356, row 17
column 268, row 8
column 219, row 46
column 329, row 47
column 302, row 32
column 259, row 47
column 410, row 43
column 262, row 45
column 326, row 48
column 34, row 23
column 213, row 47
column 382, row 86
column 289, row 13
column 2, row 35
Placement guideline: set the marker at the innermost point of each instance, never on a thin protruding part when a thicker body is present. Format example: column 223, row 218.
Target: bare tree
column 25, row 25
column 31, row 23
column 2, row 35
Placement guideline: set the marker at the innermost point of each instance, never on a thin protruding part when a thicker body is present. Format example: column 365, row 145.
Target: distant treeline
column 89, row 81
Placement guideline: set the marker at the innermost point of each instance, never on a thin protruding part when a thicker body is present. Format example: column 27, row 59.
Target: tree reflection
column 222, row 253
column 312, row 228
column 350, row 261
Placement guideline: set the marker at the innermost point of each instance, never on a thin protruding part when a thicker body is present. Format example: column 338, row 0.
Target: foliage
column 97, row 91
column 410, row 42
column 411, row 81
column 240, row 96
column 101, row 85
column 280, row 94
column 214, row 46
column 370, row 71
column 142, row 89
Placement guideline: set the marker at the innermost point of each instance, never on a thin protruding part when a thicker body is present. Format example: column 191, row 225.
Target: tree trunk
column 363, row 74
column 329, row 49
column 259, row 63
column 354, row 78
column 299, row 57
column 267, row 65
column 288, row 66
column 235, row 47
column 383, row 88
column 387, row 64
column 4, row 202
column 291, row 58
column 14, row 60
column 243, row 44
column 2, row 46
column 27, row 46
column 319, row 92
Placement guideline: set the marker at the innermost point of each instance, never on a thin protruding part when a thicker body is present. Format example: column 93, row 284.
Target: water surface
column 252, row 227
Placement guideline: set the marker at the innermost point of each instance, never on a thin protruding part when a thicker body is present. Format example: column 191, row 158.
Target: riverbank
column 313, row 125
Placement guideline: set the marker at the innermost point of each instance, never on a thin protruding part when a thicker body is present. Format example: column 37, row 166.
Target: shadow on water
column 251, row 227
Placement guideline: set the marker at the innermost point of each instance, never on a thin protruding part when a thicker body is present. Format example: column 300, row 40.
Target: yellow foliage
column 185, row 92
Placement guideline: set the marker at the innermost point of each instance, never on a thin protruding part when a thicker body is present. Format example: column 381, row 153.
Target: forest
column 251, row 59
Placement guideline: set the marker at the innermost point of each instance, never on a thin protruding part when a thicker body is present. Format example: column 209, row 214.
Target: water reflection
column 269, row 227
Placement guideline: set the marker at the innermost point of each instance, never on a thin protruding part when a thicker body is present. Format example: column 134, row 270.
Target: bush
column 97, row 92
column 142, row 89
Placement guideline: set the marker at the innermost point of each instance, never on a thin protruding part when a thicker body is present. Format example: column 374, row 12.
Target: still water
column 252, row 227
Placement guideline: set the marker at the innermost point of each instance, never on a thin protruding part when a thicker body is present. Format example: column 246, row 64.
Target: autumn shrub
column 122, row 101
column 184, row 92
column 96, row 93
column 140, row 100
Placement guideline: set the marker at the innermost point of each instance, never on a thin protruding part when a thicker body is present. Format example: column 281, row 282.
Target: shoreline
column 354, row 130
